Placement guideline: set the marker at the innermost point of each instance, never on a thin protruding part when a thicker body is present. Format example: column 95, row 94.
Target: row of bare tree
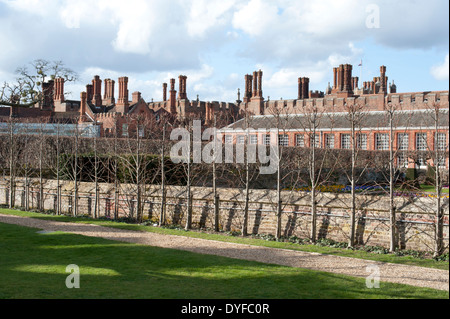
column 141, row 157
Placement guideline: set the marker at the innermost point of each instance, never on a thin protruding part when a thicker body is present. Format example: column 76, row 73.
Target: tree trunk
column 392, row 208
column 162, row 214
column 188, row 186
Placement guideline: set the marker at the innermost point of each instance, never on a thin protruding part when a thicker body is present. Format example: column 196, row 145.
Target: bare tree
column 162, row 213
column 354, row 116
column 311, row 122
column 436, row 152
column 27, row 90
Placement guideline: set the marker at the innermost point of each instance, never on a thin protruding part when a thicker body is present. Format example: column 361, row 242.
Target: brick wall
column 415, row 216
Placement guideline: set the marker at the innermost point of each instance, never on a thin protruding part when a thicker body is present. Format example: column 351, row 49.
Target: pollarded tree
column 434, row 151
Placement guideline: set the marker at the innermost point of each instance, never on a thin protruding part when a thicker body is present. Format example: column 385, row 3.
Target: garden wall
column 415, row 216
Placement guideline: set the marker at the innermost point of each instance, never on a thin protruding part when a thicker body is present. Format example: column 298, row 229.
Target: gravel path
column 411, row 275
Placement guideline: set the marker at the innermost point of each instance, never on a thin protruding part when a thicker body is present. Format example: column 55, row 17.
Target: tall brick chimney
column 260, row 92
column 123, row 105
column 47, row 91
column 248, row 88
column 83, row 97
column 108, row 96
column 341, row 75
column 164, row 92
column 173, row 97
column 355, row 81
column 303, row 88
column 89, row 92
column 347, row 78
column 300, row 88
column 59, row 90
column 97, row 84
column 255, row 84
column 182, row 83
column 383, row 88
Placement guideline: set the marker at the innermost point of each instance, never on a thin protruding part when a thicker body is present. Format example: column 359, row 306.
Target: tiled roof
column 375, row 119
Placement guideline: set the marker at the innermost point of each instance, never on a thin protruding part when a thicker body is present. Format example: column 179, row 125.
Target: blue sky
column 216, row 42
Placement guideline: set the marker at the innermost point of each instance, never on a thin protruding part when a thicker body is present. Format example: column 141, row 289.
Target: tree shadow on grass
column 33, row 265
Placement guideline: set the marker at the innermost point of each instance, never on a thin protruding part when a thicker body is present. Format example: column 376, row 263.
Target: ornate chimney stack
column 248, row 88
column 383, row 82
column 341, row 78
column 97, row 84
column 260, row 92
column 123, row 105
column 164, row 92
column 347, row 78
column 255, row 84
column 83, row 96
column 59, row 90
column 89, row 92
column 300, row 88
column 108, row 96
column 182, row 84
column 173, row 97
column 47, row 90
column 335, row 79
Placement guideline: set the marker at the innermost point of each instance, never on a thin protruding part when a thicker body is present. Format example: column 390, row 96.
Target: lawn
column 432, row 189
column 33, row 265
column 391, row 258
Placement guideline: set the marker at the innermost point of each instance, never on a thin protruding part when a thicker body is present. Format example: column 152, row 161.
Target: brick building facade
column 414, row 126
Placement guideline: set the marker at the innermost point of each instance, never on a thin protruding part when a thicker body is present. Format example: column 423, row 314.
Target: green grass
column 33, row 265
column 391, row 258
column 432, row 188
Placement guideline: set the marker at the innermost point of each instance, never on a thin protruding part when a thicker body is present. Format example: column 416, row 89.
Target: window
column 361, row 140
column 267, row 139
column 253, row 139
column 300, row 140
column 346, row 141
column 421, row 161
column 141, row 131
column 329, row 140
column 124, row 129
column 228, row 139
column 382, row 141
column 441, row 141
column 403, row 141
column 241, row 139
column 402, row 160
column 441, row 160
column 314, row 140
column 283, row 140
column 421, row 141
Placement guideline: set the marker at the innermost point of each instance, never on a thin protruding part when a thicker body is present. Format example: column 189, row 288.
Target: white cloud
column 152, row 41
column 256, row 17
column 441, row 72
column 207, row 14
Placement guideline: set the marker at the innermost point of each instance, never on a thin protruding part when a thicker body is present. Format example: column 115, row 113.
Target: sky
column 215, row 43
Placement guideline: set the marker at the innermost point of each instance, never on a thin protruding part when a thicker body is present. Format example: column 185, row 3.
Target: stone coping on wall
column 413, row 205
